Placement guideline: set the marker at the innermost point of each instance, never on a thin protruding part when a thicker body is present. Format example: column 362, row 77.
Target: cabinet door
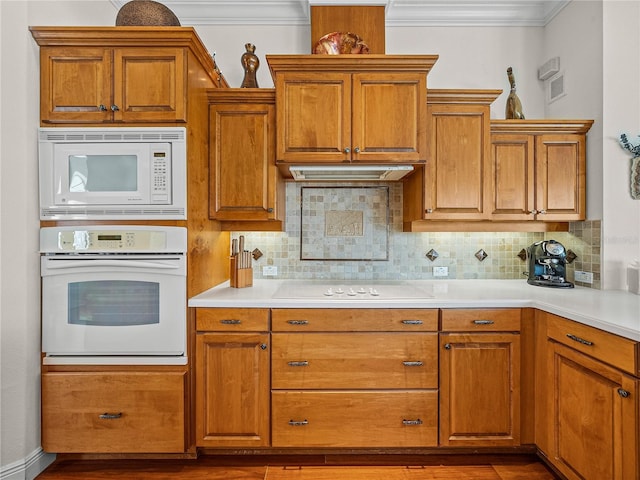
column 74, row 84
column 513, row 188
column 594, row 416
column 149, row 85
column 480, row 389
column 560, row 177
column 457, row 171
column 314, row 117
column 243, row 175
column 232, row 390
column 389, row 117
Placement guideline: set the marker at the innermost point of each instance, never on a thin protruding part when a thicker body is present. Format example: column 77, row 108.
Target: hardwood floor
column 330, row 467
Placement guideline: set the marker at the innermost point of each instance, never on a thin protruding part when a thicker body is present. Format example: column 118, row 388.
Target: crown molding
column 532, row 13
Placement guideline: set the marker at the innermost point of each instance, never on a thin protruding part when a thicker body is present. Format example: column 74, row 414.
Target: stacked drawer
column 354, row 378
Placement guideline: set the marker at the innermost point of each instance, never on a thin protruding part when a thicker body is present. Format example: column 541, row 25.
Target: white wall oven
column 113, row 294
column 112, row 173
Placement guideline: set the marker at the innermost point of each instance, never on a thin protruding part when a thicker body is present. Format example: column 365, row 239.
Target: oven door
column 101, row 305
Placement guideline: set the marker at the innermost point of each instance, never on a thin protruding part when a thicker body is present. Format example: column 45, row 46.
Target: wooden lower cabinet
column 232, row 377
column 355, row 418
column 589, row 425
column 480, row 378
column 113, row 412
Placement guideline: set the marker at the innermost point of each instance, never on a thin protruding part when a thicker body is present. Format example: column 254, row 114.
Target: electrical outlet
column 583, row 277
column 270, row 271
column 440, row 271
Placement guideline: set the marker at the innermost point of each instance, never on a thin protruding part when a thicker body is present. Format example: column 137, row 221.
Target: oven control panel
column 97, row 239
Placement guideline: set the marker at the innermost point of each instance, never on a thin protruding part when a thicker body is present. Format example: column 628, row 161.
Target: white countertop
column 613, row 311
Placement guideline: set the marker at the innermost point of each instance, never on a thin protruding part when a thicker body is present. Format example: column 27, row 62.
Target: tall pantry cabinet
column 143, row 77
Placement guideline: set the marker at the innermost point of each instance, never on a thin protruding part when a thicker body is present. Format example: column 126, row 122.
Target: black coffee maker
column 547, row 262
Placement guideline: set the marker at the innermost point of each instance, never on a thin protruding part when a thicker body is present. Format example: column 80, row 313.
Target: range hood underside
column 349, row 173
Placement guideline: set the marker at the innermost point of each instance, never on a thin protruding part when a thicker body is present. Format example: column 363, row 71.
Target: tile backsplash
column 407, row 252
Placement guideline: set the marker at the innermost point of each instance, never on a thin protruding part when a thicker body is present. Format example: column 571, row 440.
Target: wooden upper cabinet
column 91, row 85
column 453, row 183
column 350, row 108
column 538, row 170
column 245, row 184
column 98, row 75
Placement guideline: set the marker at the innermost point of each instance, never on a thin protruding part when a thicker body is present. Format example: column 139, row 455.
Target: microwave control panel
column 160, row 175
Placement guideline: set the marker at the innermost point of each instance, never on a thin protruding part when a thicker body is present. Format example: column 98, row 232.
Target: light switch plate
column 583, row 277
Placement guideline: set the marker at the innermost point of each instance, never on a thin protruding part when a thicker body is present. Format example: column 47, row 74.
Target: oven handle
column 66, row 264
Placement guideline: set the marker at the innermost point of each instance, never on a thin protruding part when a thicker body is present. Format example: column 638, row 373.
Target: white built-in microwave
column 118, row 173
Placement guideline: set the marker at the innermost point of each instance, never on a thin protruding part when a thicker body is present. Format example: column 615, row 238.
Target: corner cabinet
column 246, row 190
column 232, row 403
column 347, row 108
column 591, row 427
column 90, row 76
column 539, row 169
column 480, row 377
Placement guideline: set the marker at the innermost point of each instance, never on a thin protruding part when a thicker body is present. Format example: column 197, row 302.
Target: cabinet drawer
column 127, row 412
column 355, row 419
column 349, row 320
column 481, row 320
column 607, row 347
column 354, row 360
column 232, row 319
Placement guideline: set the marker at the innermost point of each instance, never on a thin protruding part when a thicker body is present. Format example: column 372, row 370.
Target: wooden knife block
column 239, row 277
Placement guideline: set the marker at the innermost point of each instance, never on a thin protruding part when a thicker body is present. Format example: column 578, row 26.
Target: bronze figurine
column 514, row 107
column 250, row 63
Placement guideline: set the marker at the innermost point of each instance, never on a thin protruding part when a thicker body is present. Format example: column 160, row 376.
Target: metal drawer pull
column 412, row 322
column 413, row 364
column 623, row 393
column 417, row 421
column 298, row 322
column 483, row 322
column 303, row 363
column 110, row 416
column 231, row 322
column 579, row 340
column 298, row 423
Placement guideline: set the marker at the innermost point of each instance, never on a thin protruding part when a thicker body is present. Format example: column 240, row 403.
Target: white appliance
column 112, row 173
column 114, row 294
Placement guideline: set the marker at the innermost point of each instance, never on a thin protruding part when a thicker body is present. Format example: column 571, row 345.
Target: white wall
column 621, row 113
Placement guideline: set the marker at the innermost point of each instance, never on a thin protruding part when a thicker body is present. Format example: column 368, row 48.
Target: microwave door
column 112, row 174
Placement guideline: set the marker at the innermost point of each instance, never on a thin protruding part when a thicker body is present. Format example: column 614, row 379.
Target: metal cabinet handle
column 114, row 108
column 429, row 210
column 102, row 108
column 412, row 322
column 269, row 210
column 231, row 321
column 303, row 363
column 298, row 322
column 533, row 212
column 110, row 416
column 483, row 322
column 347, row 150
column 417, row 421
column 579, row 340
column 542, row 212
column 623, row 393
column 263, row 346
column 356, row 150
column 298, row 423
column 413, row 364
column 447, row 346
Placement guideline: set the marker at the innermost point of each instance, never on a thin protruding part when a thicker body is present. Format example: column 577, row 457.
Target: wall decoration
column 635, row 164
column 344, row 223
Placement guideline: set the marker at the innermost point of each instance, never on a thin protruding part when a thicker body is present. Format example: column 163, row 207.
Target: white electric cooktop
column 370, row 290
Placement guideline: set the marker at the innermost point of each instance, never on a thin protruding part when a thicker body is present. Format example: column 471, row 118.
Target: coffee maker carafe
column 547, row 264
